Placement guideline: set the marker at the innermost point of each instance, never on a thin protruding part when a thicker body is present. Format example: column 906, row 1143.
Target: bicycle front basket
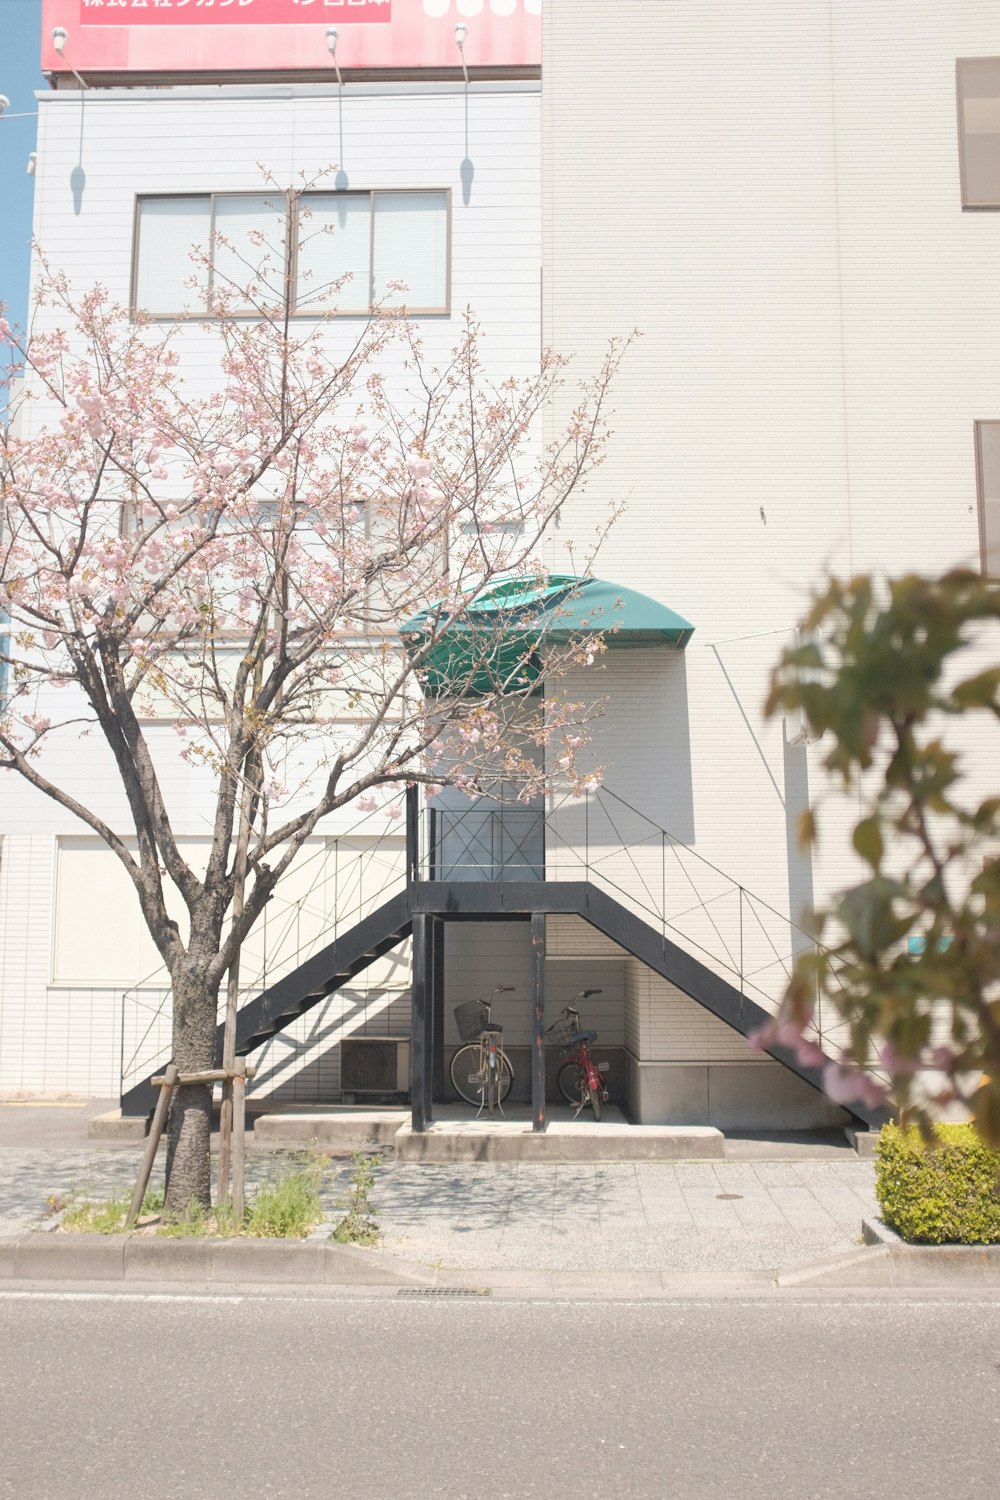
column 471, row 1018
column 562, row 1033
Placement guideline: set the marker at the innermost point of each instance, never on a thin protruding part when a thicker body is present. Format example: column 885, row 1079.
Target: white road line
column 115, row 1297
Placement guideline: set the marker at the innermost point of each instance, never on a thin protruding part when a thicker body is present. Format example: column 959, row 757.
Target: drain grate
column 442, row 1291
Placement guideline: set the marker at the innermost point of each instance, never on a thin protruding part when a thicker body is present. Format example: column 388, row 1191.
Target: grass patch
column 107, row 1215
column 287, row 1208
column 195, row 1223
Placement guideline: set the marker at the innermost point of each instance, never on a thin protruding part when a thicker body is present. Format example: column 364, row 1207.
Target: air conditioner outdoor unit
column 375, row 1065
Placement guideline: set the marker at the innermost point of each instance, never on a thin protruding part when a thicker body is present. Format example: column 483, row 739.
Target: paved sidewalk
column 28, row 1178
column 697, row 1216
column 753, row 1213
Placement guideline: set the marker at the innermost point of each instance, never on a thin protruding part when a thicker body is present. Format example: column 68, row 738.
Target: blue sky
column 20, row 49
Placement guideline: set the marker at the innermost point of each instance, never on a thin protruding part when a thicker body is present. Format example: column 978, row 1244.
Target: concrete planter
column 888, row 1261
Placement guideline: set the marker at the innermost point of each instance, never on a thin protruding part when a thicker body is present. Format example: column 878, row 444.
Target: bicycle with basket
column 480, row 1071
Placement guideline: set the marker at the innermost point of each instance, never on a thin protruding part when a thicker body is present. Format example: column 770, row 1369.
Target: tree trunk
column 189, row 1164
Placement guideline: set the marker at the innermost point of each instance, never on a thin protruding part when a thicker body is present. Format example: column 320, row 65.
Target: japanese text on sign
column 219, row 12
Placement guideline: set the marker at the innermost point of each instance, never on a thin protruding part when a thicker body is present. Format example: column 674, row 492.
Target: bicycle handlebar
column 571, row 1010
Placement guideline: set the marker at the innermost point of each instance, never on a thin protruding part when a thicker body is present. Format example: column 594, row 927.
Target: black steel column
column 538, row 1029
column 421, row 1023
column 437, row 1008
column 412, row 835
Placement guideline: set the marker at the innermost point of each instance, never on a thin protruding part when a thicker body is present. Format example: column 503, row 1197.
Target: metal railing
column 600, row 837
column 597, row 836
column 347, row 876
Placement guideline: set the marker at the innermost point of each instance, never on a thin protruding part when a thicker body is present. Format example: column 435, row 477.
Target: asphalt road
column 119, row 1395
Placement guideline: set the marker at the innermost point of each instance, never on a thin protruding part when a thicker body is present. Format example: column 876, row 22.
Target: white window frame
column 288, row 201
column 964, row 67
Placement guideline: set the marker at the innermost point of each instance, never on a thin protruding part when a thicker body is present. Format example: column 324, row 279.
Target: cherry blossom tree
column 234, row 554
column 887, row 674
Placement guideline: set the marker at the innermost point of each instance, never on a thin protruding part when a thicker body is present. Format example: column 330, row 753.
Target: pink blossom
column 895, row 1063
column 763, row 1038
column 839, row 1085
column 810, row 1055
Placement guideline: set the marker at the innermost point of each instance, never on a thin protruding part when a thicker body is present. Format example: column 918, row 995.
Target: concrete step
column 561, row 1141
column 341, row 1129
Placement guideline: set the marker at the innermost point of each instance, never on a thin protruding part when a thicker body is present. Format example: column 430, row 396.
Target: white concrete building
column 792, row 203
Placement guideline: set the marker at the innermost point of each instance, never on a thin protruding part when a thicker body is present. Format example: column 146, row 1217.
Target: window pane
column 252, row 262
column 979, row 122
column 411, row 245
column 334, row 243
column 168, row 230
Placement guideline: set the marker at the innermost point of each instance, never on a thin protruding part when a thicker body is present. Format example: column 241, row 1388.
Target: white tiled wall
column 96, row 152
column 778, row 212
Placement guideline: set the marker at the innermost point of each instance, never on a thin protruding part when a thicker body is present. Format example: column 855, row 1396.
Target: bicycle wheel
column 569, row 1082
column 466, row 1077
column 595, row 1102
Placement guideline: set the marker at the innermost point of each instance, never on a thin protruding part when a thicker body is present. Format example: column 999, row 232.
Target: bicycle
column 580, row 1080
column 480, row 1072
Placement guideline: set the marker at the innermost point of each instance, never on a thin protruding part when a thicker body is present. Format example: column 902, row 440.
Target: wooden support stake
column 225, row 1139
column 240, row 1071
column 152, row 1142
column 208, row 1075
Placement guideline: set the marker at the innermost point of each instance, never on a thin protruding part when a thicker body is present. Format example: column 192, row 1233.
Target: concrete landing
column 458, row 1135
column 561, row 1141
column 342, row 1129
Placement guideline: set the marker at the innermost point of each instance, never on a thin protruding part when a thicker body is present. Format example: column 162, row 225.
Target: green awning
column 498, row 638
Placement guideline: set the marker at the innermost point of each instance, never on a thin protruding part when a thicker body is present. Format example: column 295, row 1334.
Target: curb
column 35, row 1256
column 888, row 1261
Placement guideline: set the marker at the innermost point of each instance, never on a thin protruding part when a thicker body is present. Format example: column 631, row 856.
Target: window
column 988, row 478
column 979, row 131
column 345, row 252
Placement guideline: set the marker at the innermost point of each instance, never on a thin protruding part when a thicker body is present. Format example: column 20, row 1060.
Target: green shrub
column 359, row 1226
column 940, row 1194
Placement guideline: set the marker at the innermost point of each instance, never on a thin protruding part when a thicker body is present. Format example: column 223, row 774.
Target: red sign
column 154, row 37
column 230, row 12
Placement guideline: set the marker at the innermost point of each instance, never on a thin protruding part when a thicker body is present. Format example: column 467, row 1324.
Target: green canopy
column 495, row 644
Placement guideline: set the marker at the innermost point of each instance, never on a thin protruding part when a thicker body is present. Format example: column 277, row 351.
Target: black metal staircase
column 490, row 875
column 290, row 997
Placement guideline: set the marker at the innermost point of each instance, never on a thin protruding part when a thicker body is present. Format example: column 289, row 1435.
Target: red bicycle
column 581, row 1079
